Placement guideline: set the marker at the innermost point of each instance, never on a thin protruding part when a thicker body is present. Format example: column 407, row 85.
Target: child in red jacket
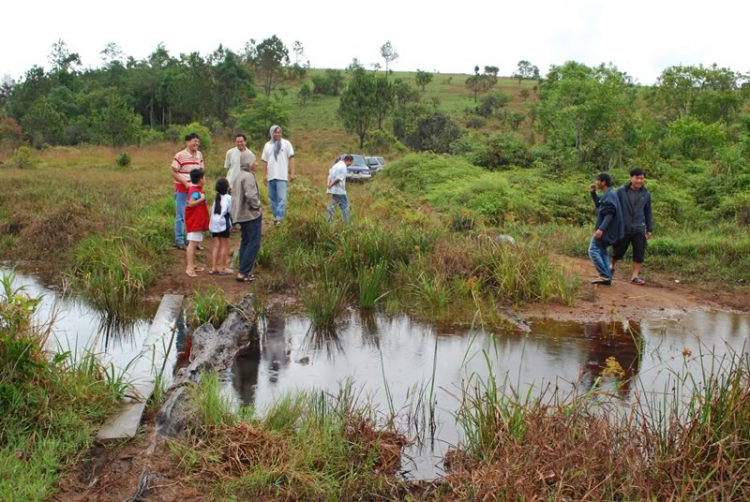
column 196, row 218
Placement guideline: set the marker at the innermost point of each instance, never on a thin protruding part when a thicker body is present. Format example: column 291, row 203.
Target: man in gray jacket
column 246, row 212
column 635, row 201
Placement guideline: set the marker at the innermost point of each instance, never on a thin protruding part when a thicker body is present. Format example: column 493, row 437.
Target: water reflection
column 614, row 355
column 371, row 349
column 79, row 327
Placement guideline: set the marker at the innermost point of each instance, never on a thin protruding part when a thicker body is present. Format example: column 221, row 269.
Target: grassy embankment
column 49, row 409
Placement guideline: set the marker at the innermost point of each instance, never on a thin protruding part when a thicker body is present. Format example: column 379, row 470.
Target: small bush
column 23, row 158
column 382, row 142
column 123, row 160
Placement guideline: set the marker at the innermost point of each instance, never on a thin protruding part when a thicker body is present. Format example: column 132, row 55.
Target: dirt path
column 661, row 297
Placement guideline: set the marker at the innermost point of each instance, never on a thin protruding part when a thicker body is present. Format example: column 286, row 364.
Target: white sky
column 641, row 37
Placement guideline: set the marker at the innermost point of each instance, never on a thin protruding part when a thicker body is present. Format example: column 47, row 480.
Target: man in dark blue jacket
column 609, row 227
column 637, row 216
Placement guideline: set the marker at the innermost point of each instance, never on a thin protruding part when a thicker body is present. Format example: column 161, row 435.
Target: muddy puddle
column 624, row 357
column 80, row 327
column 396, row 356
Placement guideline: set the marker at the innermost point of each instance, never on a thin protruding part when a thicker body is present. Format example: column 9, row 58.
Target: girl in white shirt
column 220, row 225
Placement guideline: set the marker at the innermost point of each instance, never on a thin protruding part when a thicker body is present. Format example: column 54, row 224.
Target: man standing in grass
column 232, row 159
column 185, row 161
column 609, row 227
column 337, row 188
column 278, row 170
column 635, row 201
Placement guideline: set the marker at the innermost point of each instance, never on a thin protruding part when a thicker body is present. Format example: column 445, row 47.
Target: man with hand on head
column 609, row 227
column 278, row 170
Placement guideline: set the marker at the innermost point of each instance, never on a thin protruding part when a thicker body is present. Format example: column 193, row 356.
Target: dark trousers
column 249, row 244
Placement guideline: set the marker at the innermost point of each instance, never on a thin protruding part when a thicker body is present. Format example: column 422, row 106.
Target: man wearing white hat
column 278, row 170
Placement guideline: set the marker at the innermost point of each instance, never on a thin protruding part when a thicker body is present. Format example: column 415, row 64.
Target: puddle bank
column 371, row 350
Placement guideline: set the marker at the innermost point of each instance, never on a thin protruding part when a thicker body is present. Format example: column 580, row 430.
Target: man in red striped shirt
column 185, row 161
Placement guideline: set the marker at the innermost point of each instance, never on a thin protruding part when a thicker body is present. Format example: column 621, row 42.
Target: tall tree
column 271, row 57
column 389, row 54
column 298, row 69
column 526, row 71
column 480, row 83
column 708, row 93
column 423, row 79
column 588, row 112
column 357, row 106
column 234, row 83
column 385, row 99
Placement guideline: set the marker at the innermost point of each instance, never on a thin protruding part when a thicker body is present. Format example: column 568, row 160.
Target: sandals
column 245, row 278
column 637, row 281
column 601, row 281
column 214, row 272
column 226, row 271
column 191, row 273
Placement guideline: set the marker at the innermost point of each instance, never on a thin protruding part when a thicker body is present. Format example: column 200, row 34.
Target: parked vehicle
column 375, row 164
column 359, row 170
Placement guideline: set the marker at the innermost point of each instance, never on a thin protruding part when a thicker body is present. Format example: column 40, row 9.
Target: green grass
column 209, row 306
column 51, row 409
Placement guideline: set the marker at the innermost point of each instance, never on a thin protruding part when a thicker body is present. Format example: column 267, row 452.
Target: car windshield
column 359, row 161
column 372, row 161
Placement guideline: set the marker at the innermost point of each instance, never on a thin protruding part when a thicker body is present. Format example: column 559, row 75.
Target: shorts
column 195, row 236
column 224, row 234
column 639, row 242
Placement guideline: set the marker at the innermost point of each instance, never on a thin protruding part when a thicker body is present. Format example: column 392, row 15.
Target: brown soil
column 114, row 472
column 174, row 279
column 661, row 296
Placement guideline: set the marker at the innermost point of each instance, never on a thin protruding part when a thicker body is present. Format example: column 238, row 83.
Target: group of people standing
column 624, row 218
column 237, row 200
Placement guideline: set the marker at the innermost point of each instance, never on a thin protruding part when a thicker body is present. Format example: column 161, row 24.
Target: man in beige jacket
column 246, row 212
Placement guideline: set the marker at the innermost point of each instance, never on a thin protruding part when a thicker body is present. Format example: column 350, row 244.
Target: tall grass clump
column 324, row 300
column 691, row 442
column 111, row 275
column 209, row 306
column 310, row 445
column 371, row 280
column 51, row 407
column 213, row 407
column 526, row 272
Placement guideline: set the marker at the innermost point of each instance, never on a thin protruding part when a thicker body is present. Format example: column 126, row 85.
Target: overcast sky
column 640, row 37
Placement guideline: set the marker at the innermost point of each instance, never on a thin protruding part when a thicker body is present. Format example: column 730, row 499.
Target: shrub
column 123, row 160
column 149, row 136
column 383, row 142
column 433, row 133
column 502, row 151
column 23, row 158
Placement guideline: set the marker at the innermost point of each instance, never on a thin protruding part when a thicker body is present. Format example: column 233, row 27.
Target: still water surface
column 370, row 350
